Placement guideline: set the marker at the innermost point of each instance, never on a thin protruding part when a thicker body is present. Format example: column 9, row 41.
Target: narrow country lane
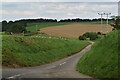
column 65, row 68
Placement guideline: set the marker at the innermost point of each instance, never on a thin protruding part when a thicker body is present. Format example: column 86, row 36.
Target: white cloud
column 55, row 12
column 4, row 12
column 60, row 0
column 58, row 11
column 70, row 14
column 23, row 13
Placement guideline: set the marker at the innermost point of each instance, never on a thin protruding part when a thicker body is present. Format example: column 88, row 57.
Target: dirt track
column 75, row 30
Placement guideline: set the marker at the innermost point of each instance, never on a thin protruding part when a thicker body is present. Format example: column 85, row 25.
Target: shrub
column 116, row 23
column 91, row 35
column 17, row 27
column 99, row 33
column 87, row 34
column 82, row 38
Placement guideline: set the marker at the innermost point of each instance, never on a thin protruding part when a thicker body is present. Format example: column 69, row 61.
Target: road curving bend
column 65, row 68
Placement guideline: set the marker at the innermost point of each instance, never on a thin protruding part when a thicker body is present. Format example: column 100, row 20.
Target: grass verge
column 102, row 60
column 22, row 51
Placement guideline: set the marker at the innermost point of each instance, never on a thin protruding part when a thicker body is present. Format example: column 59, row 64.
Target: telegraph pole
column 101, row 14
column 107, row 17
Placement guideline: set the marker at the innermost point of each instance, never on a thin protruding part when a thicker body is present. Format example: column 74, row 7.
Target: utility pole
column 101, row 14
column 107, row 17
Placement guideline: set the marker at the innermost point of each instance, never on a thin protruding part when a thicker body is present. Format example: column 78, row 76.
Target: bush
column 99, row 33
column 82, row 38
column 87, row 35
column 91, row 35
column 116, row 23
column 16, row 27
column 31, row 33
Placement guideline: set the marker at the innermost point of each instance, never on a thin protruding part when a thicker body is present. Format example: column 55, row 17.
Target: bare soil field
column 75, row 30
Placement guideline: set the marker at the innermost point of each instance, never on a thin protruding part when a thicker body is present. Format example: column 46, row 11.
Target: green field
column 21, row 51
column 33, row 27
column 102, row 60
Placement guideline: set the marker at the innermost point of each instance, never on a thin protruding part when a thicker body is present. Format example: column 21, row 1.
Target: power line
column 107, row 17
column 101, row 14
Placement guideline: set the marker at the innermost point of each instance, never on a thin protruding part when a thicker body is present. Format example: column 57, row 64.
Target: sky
column 60, row 0
column 56, row 9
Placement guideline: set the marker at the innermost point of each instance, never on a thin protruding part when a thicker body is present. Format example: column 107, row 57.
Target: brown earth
column 75, row 30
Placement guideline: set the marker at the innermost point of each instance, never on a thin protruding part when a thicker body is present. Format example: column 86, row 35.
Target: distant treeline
column 55, row 20
column 81, row 20
column 37, row 20
column 19, row 26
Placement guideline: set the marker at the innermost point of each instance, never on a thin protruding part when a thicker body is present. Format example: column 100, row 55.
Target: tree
column 90, row 35
column 17, row 27
column 4, row 25
column 116, row 24
column 10, row 22
column 82, row 38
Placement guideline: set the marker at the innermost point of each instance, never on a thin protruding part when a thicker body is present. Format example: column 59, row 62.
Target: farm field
column 36, row 26
column 102, row 60
column 60, row 39
column 22, row 51
column 95, row 22
column 75, row 30
column 33, row 27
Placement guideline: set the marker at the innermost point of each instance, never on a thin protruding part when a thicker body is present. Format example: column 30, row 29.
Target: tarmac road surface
column 65, row 68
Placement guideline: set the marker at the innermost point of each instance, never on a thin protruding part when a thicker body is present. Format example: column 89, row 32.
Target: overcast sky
column 60, row 0
column 56, row 10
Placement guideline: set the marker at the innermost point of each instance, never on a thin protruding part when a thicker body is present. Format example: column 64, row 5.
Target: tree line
column 116, row 23
column 82, row 20
column 19, row 26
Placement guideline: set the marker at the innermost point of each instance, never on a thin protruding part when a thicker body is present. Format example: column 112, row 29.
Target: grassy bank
column 102, row 60
column 36, row 50
column 36, row 26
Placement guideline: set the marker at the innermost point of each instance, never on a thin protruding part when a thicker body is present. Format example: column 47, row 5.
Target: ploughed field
column 75, row 30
